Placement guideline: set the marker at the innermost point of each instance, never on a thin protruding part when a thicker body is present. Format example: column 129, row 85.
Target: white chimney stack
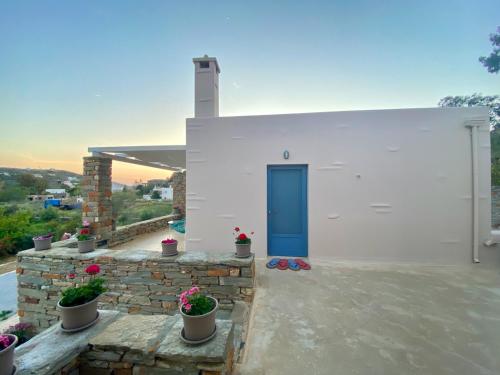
column 206, row 87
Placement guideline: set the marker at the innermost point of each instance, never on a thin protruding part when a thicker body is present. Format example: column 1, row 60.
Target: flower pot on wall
column 7, row 356
column 42, row 243
column 243, row 250
column 198, row 328
column 76, row 317
column 169, row 249
column 86, row 246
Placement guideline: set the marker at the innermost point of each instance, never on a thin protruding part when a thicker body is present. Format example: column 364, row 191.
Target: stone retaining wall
column 129, row 232
column 138, row 281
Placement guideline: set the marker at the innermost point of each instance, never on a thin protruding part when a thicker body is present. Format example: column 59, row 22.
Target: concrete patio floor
column 152, row 241
column 351, row 318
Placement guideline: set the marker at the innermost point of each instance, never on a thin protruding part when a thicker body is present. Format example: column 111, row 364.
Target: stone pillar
column 179, row 186
column 96, row 191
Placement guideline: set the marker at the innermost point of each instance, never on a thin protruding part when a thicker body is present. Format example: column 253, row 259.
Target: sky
column 75, row 74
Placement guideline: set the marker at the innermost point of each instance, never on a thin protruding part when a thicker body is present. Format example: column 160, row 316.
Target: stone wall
column 495, row 206
column 138, row 281
column 96, row 191
column 179, row 186
column 122, row 344
column 129, row 232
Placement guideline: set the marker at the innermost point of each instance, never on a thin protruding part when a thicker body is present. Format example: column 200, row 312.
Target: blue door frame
column 287, row 210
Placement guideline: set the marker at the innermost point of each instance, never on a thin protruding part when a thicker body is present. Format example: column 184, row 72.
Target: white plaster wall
column 388, row 185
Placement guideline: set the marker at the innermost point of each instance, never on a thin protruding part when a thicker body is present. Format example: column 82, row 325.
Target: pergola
column 96, row 187
column 171, row 158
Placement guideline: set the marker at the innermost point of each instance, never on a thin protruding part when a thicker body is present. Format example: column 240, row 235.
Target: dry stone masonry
column 138, row 281
column 179, row 190
column 122, row 344
column 129, row 232
column 96, row 190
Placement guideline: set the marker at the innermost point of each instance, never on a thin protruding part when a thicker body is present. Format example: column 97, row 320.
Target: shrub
column 49, row 214
column 146, row 215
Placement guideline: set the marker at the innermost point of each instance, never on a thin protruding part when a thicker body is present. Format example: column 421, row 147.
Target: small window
column 204, row 64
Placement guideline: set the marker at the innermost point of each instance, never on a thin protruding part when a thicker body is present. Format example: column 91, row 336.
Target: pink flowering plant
column 5, row 341
column 169, row 241
column 84, row 293
column 44, row 237
column 194, row 303
column 23, row 331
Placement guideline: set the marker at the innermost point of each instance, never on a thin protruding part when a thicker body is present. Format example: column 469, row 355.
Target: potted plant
column 78, row 305
column 7, row 344
column 169, row 247
column 243, row 243
column 198, row 314
column 86, row 243
column 43, row 242
column 23, row 332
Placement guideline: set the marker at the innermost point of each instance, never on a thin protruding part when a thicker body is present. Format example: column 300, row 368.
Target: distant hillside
column 53, row 176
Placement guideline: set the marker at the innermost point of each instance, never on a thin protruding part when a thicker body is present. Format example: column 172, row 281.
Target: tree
column 475, row 100
column 34, row 184
column 493, row 102
column 492, row 62
column 155, row 195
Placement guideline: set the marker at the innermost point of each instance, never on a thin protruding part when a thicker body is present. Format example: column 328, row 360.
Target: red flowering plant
column 84, row 293
column 84, row 232
column 241, row 238
column 169, row 241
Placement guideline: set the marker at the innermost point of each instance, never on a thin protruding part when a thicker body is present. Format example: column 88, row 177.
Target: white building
column 68, row 183
column 57, row 193
column 166, row 193
column 404, row 185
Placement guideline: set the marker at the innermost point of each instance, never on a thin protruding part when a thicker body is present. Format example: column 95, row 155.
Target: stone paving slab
column 65, row 253
column 172, row 348
column 140, row 333
column 203, row 258
column 59, row 347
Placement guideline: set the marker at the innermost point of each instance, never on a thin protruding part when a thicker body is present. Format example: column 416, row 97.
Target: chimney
column 206, row 87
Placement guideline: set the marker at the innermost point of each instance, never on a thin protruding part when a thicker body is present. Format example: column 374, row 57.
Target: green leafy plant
column 82, row 294
column 194, row 303
column 4, row 314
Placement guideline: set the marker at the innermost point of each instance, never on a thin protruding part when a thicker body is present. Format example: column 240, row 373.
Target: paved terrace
column 152, row 241
column 349, row 318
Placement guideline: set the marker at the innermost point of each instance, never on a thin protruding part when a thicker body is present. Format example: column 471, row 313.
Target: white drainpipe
column 474, row 125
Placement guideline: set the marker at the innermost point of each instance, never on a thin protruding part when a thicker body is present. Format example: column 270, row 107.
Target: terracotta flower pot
column 75, row 317
column 7, row 357
column 42, row 243
column 243, row 250
column 199, row 327
column 86, row 246
column 169, row 249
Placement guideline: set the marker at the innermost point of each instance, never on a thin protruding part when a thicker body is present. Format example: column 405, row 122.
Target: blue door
column 287, row 210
